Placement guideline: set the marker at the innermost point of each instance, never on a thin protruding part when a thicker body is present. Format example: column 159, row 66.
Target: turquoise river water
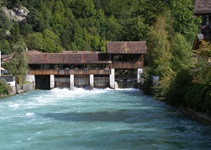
column 101, row 119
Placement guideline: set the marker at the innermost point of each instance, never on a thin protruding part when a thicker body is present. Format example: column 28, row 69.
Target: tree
column 120, row 9
column 182, row 57
column 184, row 21
column 57, row 20
column 150, row 10
column 66, row 37
column 25, row 29
column 18, row 64
column 113, row 29
column 83, row 8
column 134, row 29
column 35, row 19
column 159, row 56
column 159, row 47
column 51, row 42
column 35, row 41
column 5, row 47
column 4, row 88
column 96, row 43
column 5, row 23
column 202, row 71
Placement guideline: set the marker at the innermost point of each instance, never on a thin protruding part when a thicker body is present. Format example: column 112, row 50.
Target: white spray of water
column 29, row 114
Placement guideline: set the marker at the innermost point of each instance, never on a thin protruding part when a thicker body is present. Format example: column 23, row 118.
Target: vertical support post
column 52, row 81
column 139, row 73
column 112, row 78
column 91, row 80
column 72, row 82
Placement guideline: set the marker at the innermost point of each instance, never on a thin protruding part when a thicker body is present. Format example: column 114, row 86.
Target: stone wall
column 204, row 118
column 25, row 87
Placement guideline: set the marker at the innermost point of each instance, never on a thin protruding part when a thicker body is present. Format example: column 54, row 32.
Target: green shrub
column 146, row 87
column 179, row 87
column 198, row 97
column 4, row 87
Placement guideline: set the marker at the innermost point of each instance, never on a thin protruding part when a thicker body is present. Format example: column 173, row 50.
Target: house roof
column 68, row 58
column 126, row 47
column 5, row 58
column 202, row 7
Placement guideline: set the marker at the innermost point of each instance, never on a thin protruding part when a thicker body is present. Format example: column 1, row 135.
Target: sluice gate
column 81, row 80
column 101, row 81
column 42, row 82
column 62, row 81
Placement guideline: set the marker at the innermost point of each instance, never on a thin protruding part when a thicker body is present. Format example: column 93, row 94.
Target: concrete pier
column 30, row 78
column 112, row 79
column 71, row 82
column 139, row 73
column 91, row 79
column 52, row 81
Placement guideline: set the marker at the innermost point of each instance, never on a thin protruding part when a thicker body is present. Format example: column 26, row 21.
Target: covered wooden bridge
column 85, row 68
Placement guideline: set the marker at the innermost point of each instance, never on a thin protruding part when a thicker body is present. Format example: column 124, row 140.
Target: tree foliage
column 182, row 56
column 5, row 47
column 18, row 64
column 4, row 88
column 159, row 56
column 184, row 21
column 202, row 71
column 87, row 24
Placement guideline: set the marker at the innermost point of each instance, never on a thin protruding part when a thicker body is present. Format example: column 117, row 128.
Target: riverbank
column 20, row 89
column 206, row 119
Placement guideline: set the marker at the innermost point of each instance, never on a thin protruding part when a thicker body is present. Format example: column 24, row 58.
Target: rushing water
column 98, row 119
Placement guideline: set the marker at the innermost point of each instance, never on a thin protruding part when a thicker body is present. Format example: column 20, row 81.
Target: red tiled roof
column 129, row 47
column 202, row 7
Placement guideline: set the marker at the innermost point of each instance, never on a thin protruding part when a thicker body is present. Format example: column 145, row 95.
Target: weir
column 70, row 69
column 92, row 81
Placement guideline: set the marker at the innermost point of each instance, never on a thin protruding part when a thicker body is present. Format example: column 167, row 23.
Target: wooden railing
column 69, row 71
column 127, row 65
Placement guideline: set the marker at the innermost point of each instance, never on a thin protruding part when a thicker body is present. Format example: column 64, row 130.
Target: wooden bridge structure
column 81, row 68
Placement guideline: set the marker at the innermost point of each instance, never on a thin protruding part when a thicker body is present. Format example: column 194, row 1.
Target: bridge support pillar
column 72, row 82
column 91, row 80
column 31, row 79
column 139, row 73
column 52, row 81
column 112, row 78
